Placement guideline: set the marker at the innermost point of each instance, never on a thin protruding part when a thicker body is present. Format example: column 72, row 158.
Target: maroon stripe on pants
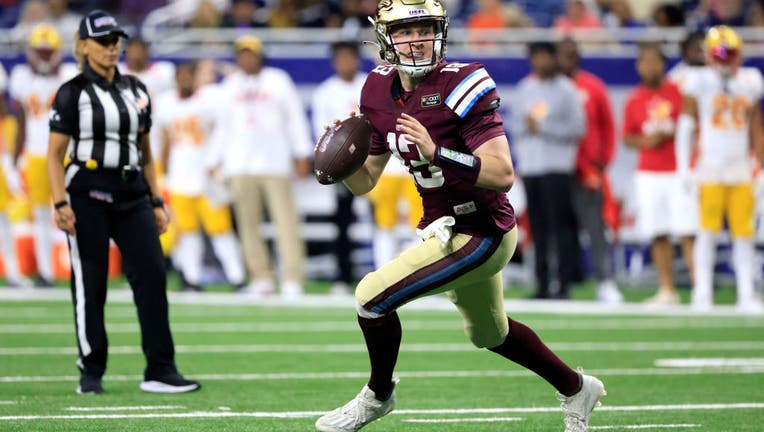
column 433, row 269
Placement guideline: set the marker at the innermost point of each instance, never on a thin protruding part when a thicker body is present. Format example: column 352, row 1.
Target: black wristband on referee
column 457, row 164
column 157, row 202
column 60, row 204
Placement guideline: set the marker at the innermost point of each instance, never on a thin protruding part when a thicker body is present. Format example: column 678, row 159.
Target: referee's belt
column 127, row 172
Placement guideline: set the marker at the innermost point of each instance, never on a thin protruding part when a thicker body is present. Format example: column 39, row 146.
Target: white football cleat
column 752, row 306
column 608, row 293
column 362, row 410
column 701, row 304
column 578, row 407
column 291, row 290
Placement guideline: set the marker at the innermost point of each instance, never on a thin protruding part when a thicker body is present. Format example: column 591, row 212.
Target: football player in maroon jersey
column 440, row 120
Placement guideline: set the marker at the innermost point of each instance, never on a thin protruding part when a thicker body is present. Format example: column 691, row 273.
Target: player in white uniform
column 335, row 98
column 159, row 77
column 725, row 99
column 10, row 185
column 187, row 120
column 33, row 86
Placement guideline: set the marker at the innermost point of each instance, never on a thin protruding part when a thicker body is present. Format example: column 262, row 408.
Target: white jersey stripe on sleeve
column 479, row 90
column 464, row 87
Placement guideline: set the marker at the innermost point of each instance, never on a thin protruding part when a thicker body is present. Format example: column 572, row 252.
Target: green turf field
column 277, row 368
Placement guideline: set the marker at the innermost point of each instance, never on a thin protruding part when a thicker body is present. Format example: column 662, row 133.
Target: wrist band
column 157, row 202
column 457, row 164
column 61, row 204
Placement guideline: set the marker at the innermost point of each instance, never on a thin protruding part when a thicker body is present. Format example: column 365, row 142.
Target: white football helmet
column 392, row 13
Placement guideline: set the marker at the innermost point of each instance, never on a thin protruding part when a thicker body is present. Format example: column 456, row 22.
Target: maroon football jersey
column 457, row 104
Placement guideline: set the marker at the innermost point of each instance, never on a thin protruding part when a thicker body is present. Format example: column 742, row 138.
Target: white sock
column 43, row 241
column 385, row 246
column 229, row 254
column 8, row 249
column 704, row 255
column 190, row 256
column 743, row 260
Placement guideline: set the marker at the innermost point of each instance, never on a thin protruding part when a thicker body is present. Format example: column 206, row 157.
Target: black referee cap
column 99, row 23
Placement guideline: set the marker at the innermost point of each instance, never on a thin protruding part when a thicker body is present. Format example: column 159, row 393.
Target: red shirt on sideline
column 648, row 110
column 597, row 147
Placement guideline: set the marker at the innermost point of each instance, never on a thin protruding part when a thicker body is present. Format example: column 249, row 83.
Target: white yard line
column 8, row 402
column 194, row 414
column 191, row 311
column 709, row 362
column 449, row 374
column 307, row 414
column 465, row 420
column 318, row 326
column 646, row 426
column 126, row 408
column 672, row 346
column 683, row 407
column 436, row 303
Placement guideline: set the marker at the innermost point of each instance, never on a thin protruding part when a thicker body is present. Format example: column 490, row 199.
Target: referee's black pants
column 133, row 227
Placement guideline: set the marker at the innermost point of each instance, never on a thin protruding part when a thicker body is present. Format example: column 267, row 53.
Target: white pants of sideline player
column 664, row 206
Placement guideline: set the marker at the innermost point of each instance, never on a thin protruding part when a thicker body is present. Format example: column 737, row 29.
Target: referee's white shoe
column 171, row 383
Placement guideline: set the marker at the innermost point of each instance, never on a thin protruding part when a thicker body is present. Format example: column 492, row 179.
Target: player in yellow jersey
column 10, row 185
column 394, row 186
column 187, row 119
column 32, row 86
column 723, row 99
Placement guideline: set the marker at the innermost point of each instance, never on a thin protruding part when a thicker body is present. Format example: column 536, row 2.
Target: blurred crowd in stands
column 351, row 14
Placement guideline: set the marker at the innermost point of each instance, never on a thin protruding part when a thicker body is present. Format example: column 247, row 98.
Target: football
column 342, row 149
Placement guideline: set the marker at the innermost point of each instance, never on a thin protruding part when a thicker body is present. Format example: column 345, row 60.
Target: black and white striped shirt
column 106, row 120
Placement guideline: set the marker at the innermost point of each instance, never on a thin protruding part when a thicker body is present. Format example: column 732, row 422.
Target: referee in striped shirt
column 109, row 190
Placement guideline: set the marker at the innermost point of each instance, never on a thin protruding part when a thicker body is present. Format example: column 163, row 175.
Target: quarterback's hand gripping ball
column 342, row 150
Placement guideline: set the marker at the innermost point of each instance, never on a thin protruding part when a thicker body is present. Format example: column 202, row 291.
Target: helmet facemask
column 725, row 61
column 43, row 60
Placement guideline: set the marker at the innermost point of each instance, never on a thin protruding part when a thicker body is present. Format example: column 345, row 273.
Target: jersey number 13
column 425, row 175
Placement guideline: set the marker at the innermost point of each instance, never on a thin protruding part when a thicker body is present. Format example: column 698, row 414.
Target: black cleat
column 90, row 385
column 191, row 288
column 41, row 282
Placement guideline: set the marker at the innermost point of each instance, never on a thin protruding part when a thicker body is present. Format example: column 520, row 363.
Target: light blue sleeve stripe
column 461, row 84
column 464, row 112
